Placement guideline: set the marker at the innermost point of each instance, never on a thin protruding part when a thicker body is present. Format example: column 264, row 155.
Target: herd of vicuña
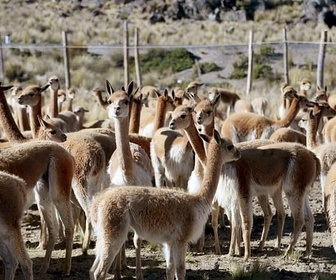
column 161, row 164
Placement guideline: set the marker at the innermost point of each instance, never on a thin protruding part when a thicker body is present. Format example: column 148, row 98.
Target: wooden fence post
column 2, row 65
column 66, row 60
column 321, row 57
column 136, row 58
column 285, row 56
column 126, row 54
column 250, row 64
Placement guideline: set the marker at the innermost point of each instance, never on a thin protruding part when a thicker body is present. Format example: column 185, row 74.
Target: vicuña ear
column 5, row 87
column 42, row 89
column 109, row 87
column 216, row 100
column 173, row 94
column 165, row 93
column 217, row 136
column 295, row 94
column 194, row 97
column 157, row 92
column 130, row 88
column 205, row 138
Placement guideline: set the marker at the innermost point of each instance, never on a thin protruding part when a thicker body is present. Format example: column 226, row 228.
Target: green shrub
column 262, row 71
column 161, row 60
column 266, row 50
column 240, row 68
column 263, row 53
column 203, row 68
column 208, row 67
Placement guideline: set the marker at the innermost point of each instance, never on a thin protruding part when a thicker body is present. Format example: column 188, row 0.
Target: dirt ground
column 205, row 265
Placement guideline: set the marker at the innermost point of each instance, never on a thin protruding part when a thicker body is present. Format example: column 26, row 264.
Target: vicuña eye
column 230, row 147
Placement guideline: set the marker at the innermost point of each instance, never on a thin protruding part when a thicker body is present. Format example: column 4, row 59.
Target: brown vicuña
column 294, row 170
column 31, row 97
column 259, row 105
column 151, row 212
column 330, row 202
column 287, row 134
column 67, row 116
column 325, row 152
column 182, row 118
column 205, row 116
column 88, row 152
column 157, row 117
column 129, row 164
column 51, row 178
column 241, row 127
column 13, row 201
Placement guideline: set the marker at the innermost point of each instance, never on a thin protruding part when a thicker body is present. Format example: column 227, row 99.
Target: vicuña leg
column 247, row 222
column 137, row 243
column 296, row 206
column 266, row 208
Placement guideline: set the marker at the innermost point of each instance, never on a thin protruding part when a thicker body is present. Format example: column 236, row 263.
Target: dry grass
column 255, row 270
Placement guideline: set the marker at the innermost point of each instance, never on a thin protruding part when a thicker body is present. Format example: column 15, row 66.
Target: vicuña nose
column 172, row 124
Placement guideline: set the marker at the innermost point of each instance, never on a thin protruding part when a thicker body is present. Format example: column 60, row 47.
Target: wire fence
column 224, row 55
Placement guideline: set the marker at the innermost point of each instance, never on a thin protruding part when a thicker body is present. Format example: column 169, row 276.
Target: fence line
column 149, row 46
column 249, row 47
column 2, row 66
column 285, row 56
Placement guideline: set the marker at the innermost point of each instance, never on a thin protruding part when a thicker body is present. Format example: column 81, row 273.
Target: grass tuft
column 255, row 271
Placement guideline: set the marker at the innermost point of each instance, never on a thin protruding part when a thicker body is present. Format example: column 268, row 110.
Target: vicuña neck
column 290, row 114
column 135, row 113
column 53, row 109
column 311, row 130
column 123, row 150
column 211, row 176
column 160, row 114
column 196, row 141
column 10, row 127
